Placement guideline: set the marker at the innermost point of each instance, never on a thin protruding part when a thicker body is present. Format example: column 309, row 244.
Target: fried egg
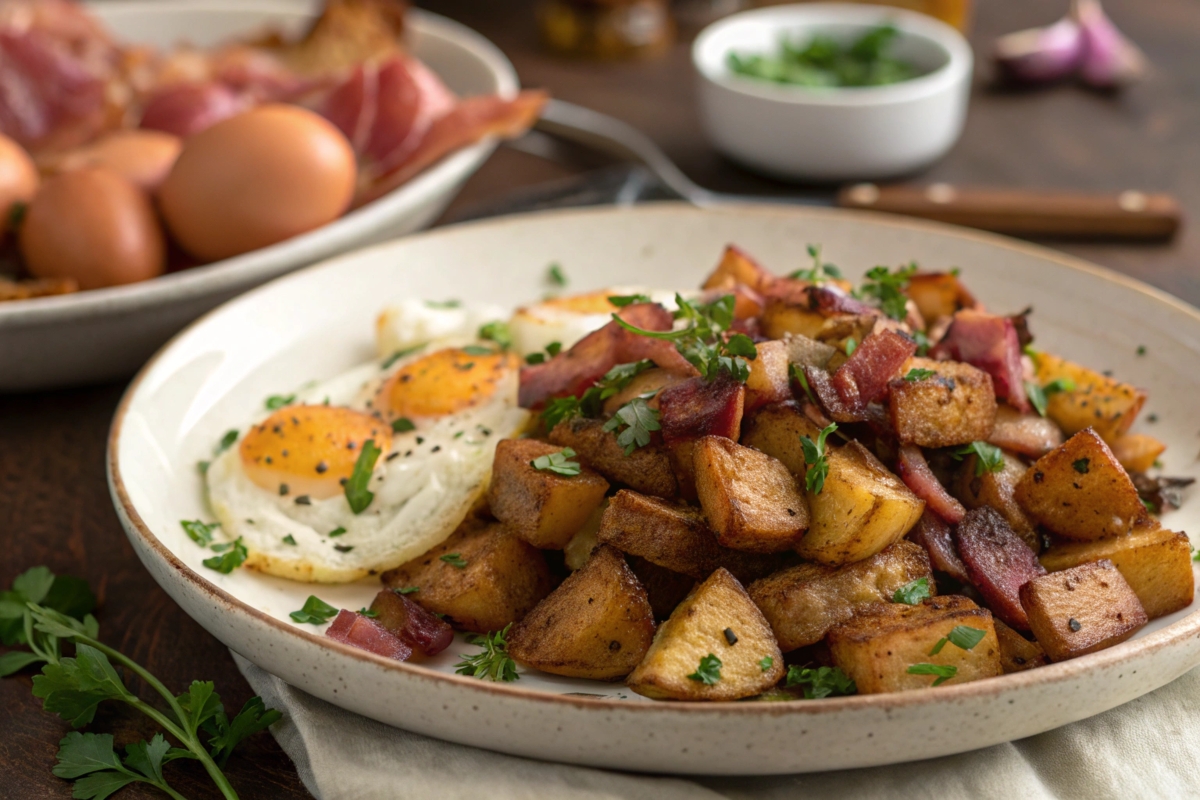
column 436, row 416
column 566, row 320
column 410, row 323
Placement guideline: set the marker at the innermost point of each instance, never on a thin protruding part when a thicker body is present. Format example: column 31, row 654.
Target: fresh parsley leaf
column 913, row 592
column 199, row 532
column 851, row 345
column 553, row 349
column 887, row 288
column 560, row 408
column 407, row 590
column 820, row 682
column 1081, row 465
column 709, row 671
column 147, row 757
column 923, row 343
column 228, row 734
column 16, row 660
column 497, row 332
column 796, row 372
column 478, row 350
column 944, row 672
column 278, row 401
column 403, row 425
column 989, row 457
column 555, row 275
column 336, row 532
column 80, row 754
column 455, row 560
column 635, row 421
column 399, row 354
column 919, row 374
column 559, row 463
column 535, row 358
column 368, row 613
column 226, row 442
column 815, row 458
column 1141, row 350
column 494, row 663
column 965, row 637
column 315, row 611
column 1038, row 394
column 702, row 341
column 443, row 304
column 819, row 271
column 289, row 539
column 765, row 663
column 232, row 555
column 356, row 491
column 620, row 301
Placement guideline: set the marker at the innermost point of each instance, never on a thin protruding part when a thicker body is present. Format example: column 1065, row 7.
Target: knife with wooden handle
column 1124, row 215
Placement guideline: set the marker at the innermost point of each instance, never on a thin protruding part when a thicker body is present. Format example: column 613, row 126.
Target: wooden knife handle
column 1124, row 215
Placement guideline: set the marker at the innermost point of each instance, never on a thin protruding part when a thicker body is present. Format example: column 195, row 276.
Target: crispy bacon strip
column 572, row 372
column 697, row 407
column 990, row 343
column 936, row 536
column 914, row 470
column 864, row 377
column 998, row 562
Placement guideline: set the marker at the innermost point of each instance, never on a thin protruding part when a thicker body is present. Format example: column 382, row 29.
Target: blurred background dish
column 95, row 335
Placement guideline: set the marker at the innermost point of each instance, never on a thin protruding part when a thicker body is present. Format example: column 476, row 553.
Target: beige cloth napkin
column 1149, row 748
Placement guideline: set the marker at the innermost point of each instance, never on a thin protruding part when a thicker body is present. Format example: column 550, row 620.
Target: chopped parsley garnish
column 403, row 425
column 825, row 61
column 444, row 303
column 455, row 560
column 368, row 613
column 913, row 593
column 399, row 354
column 478, row 350
column 336, row 532
column 944, row 672
column 289, row 539
column 796, row 372
column 494, row 663
column 1081, row 465
column 923, row 343
column 497, row 332
column 278, row 401
column 555, row 275
column 226, row 442
column 709, row 671
column 1039, row 394
column 343, row 548
column 199, row 532
column 990, row 458
column 357, row 493
column 622, row 300
column 314, row 612
column 552, row 349
column 819, row 271
column 634, row 422
column 407, row 590
column 820, row 682
column 919, row 374
column 1141, row 351
column 887, row 288
column 559, row 463
column 703, row 342
column 815, row 458
column 232, row 555
column 851, row 345
column 765, row 663
column 962, row 636
column 560, row 408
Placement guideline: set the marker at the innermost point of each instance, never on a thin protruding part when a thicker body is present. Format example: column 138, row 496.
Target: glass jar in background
column 954, row 12
column 606, row 29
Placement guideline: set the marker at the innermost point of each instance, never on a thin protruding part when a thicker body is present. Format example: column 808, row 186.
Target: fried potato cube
column 803, row 602
column 1082, row 610
column 1017, row 653
column 579, row 549
column 647, row 469
column 598, row 624
column 769, row 381
column 777, row 430
column 938, row 295
column 862, row 509
column 1155, row 562
column 1137, row 452
column 675, row 537
column 1099, row 402
column 878, row 645
column 995, row 490
column 751, row 500
column 1079, row 490
column 542, row 507
column 651, row 381
column 736, row 267
column 482, row 578
column 666, row 589
column 955, row 405
column 717, row 620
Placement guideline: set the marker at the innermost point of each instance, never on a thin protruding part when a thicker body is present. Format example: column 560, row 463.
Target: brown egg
column 141, row 157
column 94, row 226
column 256, row 179
column 18, row 179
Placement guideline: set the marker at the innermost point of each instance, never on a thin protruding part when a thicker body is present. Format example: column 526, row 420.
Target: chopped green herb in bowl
column 824, row 61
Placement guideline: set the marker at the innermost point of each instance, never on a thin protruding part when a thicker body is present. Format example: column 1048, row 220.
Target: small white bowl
column 833, row 134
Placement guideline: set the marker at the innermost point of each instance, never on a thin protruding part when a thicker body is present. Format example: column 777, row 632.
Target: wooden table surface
column 54, row 504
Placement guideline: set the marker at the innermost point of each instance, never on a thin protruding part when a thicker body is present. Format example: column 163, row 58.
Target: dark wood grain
column 54, row 505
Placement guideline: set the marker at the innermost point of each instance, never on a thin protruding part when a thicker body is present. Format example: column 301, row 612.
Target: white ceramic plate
column 91, row 336
column 317, row 322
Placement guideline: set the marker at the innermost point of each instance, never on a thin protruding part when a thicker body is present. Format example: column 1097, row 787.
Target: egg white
column 408, row 323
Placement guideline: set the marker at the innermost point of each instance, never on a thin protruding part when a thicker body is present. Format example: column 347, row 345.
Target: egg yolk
column 445, row 382
column 590, row 303
column 309, row 450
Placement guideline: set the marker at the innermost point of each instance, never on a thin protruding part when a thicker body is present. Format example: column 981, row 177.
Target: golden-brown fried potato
column 793, row 308
column 1017, row 653
column 938, row 295
column 807, row 352
column 1156, row 563
column 482, row 578
column 995, row 489
column 751, row 500
column 803, row 602
column 543, row 508
column 577, row 551
column 1079, row 490
column 862, row 509
column 878, row 646
column 1137, row 452
column 649, row 382
column 1082, row 610
column 736, row 268
column 1097, row 402
column 598, row 624
column 955, row 405
column 675, row 537
column 769, row 381
column 647, row 469
column 777, row 430
column 666, row 589
column 717, row 621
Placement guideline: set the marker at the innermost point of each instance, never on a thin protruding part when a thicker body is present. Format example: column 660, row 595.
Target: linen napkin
column 1149, row 748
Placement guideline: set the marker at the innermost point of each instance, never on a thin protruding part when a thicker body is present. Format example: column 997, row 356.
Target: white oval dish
column 92, row 336
column 314, row 324
column 835, row 134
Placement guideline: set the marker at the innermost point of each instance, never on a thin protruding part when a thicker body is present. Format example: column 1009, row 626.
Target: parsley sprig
column 989, row 457
column 357, row 493
column 589, row 404
column 709, row 670
column 494, row 663
column 559, row 463
column 887, row 289
column 315, row 611
column 816, row 459
column 913, row 592
column 634, row 422
column 497, row 332
column 916, row 374
column 819, row 271
column 820, row 682
column 703, row 342
column 1039, row 395
column 230, row 556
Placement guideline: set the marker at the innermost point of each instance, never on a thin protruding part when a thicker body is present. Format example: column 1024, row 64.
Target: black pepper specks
column 304, row 500
column 730, row 636
column 1073, row 624
column 322, row 468
column 283, row 489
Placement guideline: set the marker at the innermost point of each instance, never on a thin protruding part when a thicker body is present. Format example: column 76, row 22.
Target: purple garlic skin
column 1041, row 55
column 1109, row 61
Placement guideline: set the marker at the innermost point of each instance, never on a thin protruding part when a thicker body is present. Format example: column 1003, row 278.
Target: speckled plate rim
column 1063, row 672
